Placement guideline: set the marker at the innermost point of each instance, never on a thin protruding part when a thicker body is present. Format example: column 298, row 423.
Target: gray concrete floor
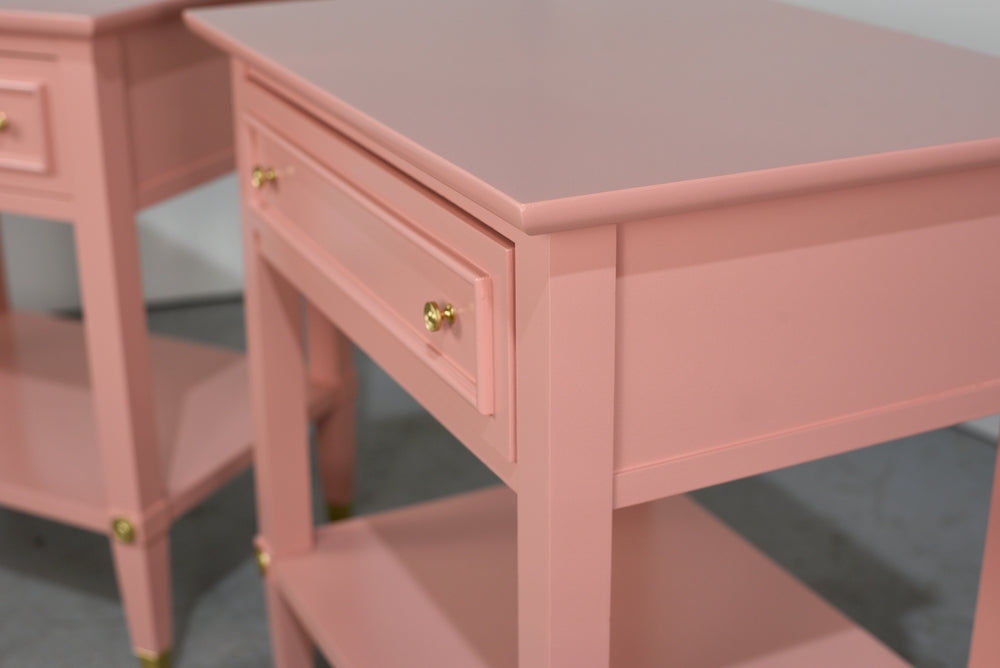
column 892, row 535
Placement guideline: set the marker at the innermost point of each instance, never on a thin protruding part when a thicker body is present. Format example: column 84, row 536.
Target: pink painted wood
column 565, row 444
column 395, row 331
column 76, row 19
column 465, row 358
column 670, row 608
column 4, row 298
column 985, row 639
column 24, row 146
column 331, row 365
column 781, row 253
column 109, row 106
column 736, row 118
column 44, row 372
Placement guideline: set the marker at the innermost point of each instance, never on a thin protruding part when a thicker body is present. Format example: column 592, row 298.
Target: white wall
column 190, row 245
column 973, row 24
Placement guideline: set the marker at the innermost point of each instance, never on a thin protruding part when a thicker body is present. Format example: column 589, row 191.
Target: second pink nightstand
column 107, row 106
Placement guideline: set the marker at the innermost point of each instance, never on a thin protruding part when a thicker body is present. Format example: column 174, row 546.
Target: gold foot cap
column 338, row 511
column 263, row 560
column 151, row 660
column 123, row 529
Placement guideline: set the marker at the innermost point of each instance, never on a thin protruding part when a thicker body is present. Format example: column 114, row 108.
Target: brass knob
column 434, row 315
column 4, row 121
column 261, row 176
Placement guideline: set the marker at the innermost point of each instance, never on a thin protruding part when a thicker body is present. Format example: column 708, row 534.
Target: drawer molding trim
column 39, row 159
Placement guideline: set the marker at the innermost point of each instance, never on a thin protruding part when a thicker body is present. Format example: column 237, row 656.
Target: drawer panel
column 392, row 264
column 24, row 124
column 29, row 147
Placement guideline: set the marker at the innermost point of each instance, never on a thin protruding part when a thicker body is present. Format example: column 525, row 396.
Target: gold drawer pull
column 434, row 316
column 261, row 176
column 4, row 121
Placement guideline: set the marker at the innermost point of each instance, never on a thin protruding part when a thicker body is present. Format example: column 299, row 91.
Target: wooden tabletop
column 555, row 113
column 85, row 17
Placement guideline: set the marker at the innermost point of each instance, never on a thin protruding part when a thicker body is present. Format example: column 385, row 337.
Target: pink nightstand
column 622, row 250
column 107, row 106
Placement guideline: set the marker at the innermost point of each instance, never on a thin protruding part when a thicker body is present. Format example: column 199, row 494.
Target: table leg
column 291, row 646
column 280, row 419
column 281, row 455
column 985, row 651
column 117, row 341
column 565, row 442
column 280, row 412
column 331, row 364
column 4, row 297
column 143, row 571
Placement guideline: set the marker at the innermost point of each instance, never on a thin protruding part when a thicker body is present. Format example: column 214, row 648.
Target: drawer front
column 28, row 101
column 380, row 252
column 24, row 124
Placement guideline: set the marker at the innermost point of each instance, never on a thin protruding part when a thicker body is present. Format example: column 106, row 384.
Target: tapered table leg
column 985, row 651
column 331, row 364
column 117, row 347
column 4, row 297
column 281, row 455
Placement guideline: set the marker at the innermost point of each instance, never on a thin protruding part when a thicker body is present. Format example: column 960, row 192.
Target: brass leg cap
column 263, row 560
column 150, row 660
column 338, row 511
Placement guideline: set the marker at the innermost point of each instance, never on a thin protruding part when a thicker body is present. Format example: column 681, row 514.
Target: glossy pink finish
column 44, row 372
column 4, row 299
column 564, row 436
column 100, row 125
column 538, row 119
column 331, row 366
column 672, row 606
column 724, row 387
column 744, row 235
column 307, row 191
column 176, row 96
column 387, row 314
column 24, row 146
column 78, row 18
column 30, row 146
column 985, row 639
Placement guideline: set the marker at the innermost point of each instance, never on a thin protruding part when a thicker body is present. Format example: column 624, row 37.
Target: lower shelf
column 50, row 463
column 435, row 585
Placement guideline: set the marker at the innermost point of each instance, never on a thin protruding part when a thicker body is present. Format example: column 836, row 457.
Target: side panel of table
column 178, row 117
column 180, row 110
column 769, row 334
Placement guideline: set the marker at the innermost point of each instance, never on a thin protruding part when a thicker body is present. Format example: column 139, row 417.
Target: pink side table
column 107, row 106
column 622, row 250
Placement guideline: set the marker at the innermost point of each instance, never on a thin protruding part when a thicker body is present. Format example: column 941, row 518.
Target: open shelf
column 49, row 459
column 435, row 585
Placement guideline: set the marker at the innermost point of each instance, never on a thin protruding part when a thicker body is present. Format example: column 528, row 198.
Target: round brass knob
column 434, row 315
column 261, row 176
column 4, row 121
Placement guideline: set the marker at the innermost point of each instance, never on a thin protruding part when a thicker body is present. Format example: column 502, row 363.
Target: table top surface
column 536, row 105
column 84, row 17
